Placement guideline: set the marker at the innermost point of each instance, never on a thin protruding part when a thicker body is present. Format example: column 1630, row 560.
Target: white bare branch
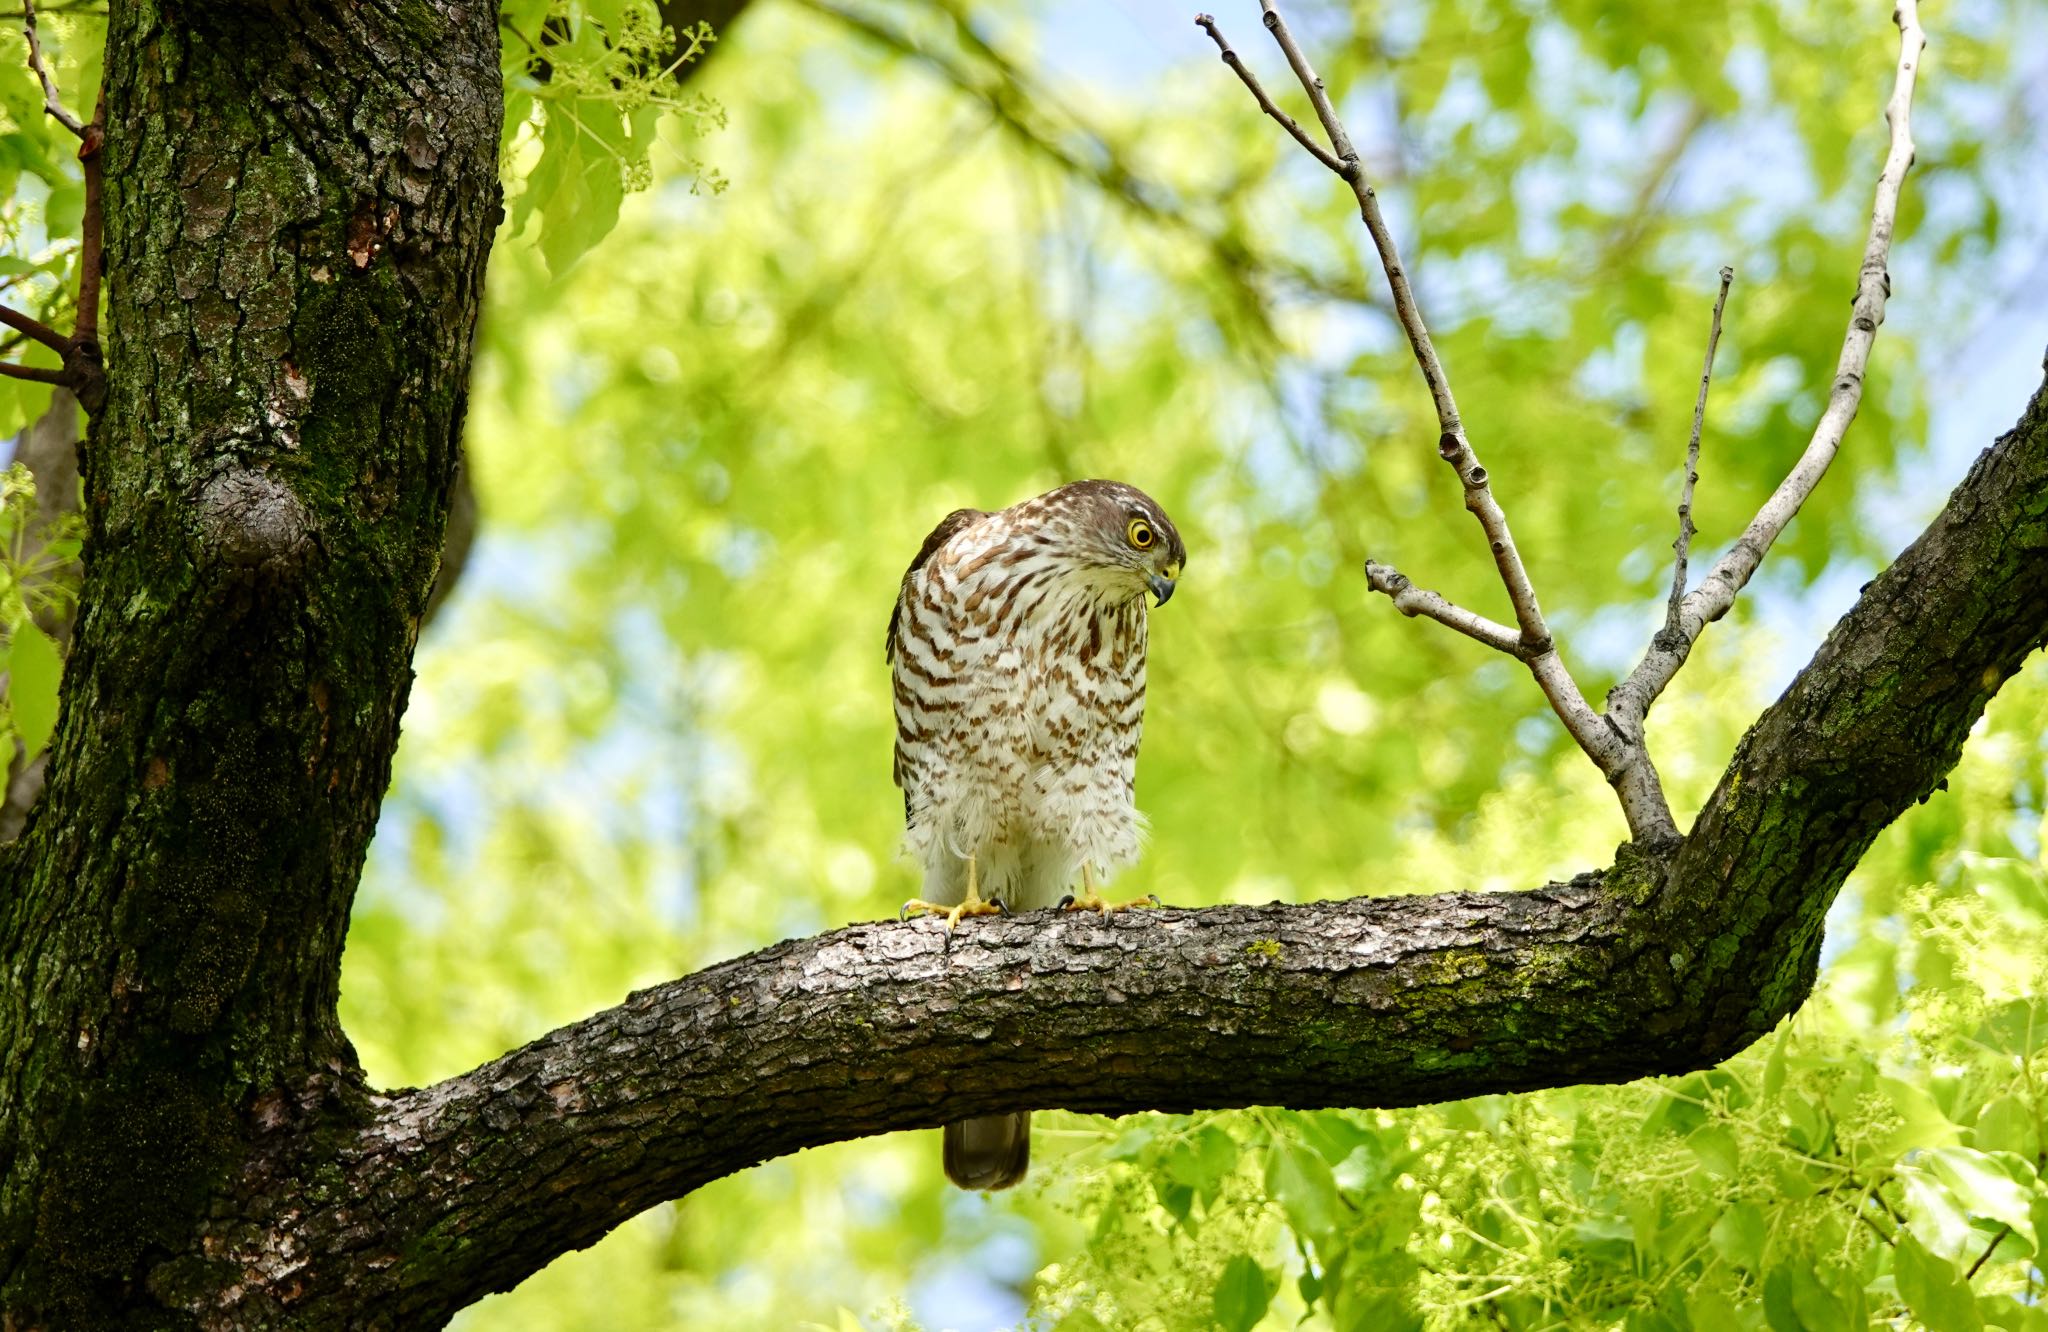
column 1683, row 545
column 1630, row 701
column 51, row 102
column 1649, row 816
column 1411, row 601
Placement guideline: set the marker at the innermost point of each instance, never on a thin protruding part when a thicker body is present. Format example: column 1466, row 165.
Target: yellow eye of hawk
column 1141, row 534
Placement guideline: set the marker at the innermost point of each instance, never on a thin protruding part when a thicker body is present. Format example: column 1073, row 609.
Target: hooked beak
column 1162, row 587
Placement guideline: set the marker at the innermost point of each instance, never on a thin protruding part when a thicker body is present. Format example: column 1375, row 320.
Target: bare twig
column 1623, row 762
column 1411, row 600
column 34, row 328
column 51, row 102
column 35, row 374
column 1990, row 1249
column 1251, row 81
column 1631, row 699
column 1683, row 545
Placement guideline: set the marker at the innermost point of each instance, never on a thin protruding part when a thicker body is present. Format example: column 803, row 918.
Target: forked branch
column 1613, row 739
column 1634, row 779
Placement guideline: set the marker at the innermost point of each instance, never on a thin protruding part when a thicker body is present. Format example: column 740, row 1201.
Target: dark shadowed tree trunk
column 300, row 202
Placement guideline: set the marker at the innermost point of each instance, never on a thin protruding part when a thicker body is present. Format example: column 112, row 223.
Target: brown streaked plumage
column 1017, row 647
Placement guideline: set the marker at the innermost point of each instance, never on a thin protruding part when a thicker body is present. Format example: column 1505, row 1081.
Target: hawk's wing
column 944, row 532
column 949, row 526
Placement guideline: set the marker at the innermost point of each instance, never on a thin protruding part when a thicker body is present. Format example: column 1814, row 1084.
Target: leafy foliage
column 590, row 92
column 1880, row 1155
column 38, row 563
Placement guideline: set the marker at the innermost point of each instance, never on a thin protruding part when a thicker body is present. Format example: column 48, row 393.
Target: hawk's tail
column 989, row 1153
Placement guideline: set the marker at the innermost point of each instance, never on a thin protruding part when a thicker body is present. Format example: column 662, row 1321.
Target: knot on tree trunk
column 252, row 521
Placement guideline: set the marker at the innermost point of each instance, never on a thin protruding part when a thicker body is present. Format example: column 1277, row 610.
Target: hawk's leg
column 971, row 905
column 1090, row 900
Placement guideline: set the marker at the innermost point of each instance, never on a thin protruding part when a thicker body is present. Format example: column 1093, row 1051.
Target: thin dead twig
column 83, row 373
column 1683, row 544
column 1716, row 593
column 51, row 102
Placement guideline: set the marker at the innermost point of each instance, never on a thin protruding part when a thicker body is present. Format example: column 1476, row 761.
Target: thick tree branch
column 1666, row 961
column 1630, row 700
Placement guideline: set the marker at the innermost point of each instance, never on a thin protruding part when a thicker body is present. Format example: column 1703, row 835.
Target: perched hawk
column 1018, row 650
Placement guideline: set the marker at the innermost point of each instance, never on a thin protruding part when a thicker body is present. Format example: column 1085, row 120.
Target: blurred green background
column 746, row 341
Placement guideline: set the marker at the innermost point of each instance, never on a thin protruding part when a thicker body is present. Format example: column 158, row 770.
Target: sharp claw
column 903, row 912
column 1153, row 898
column 1000, row 905
column 1066, row 901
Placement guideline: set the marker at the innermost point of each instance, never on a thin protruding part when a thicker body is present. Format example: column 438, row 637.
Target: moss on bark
column 290, row 301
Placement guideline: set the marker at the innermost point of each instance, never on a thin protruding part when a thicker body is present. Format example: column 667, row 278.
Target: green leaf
column 1779, row 1313
column 1300, row 1181
column 1242, row 1294
column 1940, row 1218
column 1986, row 1185
column 1739, row 1235
column 1924, row 1125
column 2007, row 1125
column 1714, row 1148
column 34, row 670
column 1932, row 1288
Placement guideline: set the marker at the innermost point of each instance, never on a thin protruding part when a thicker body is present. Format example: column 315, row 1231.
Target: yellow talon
column 1090, row 900
column 972, row 905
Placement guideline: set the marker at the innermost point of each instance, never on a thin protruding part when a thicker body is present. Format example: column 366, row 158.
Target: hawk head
column 1123, row 534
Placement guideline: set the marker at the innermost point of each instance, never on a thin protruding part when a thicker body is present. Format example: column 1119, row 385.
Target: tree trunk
column 299, row 202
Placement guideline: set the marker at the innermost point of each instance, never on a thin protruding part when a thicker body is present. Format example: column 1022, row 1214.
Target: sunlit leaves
column 588, row 85
column 1242, row 1295
column 1834, row 1175
column 37, row 579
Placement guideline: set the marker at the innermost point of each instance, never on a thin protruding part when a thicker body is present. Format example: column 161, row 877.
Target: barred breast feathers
column 1019, row 678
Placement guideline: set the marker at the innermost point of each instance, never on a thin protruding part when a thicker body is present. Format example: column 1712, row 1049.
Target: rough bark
column 1658, row 964
column 299, row 202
